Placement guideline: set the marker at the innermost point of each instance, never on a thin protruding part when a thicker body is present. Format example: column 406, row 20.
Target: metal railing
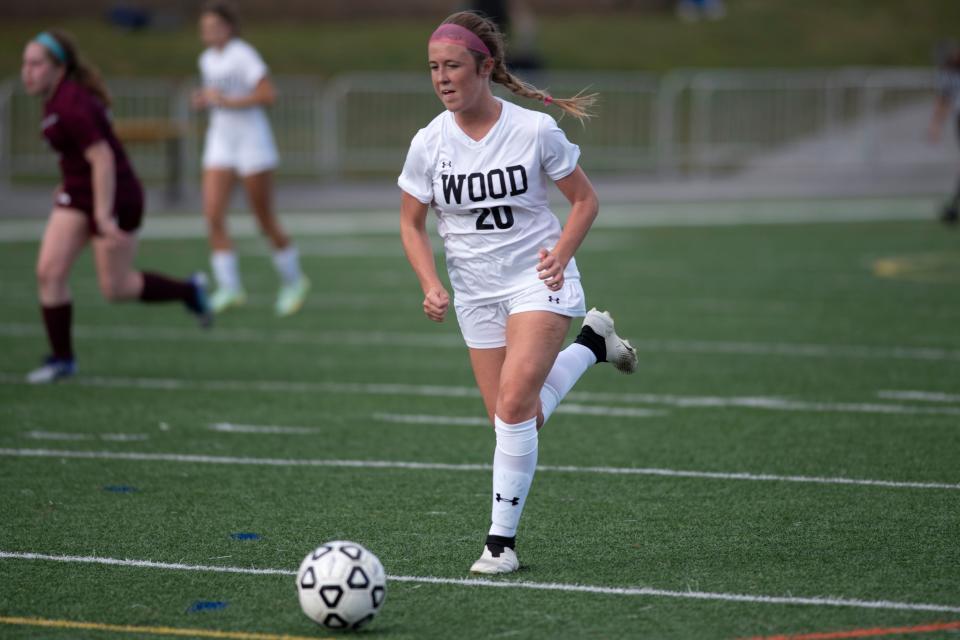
column 683, row 123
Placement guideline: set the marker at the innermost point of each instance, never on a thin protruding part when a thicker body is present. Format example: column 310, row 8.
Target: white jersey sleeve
column 234, row 70
column 558, row 156
column 252, row 66
column 417, row 175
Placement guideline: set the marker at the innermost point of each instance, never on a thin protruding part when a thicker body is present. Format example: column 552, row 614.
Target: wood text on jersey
column 496, row 183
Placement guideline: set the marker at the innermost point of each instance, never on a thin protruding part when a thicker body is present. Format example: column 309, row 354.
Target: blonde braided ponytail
column 579, row 105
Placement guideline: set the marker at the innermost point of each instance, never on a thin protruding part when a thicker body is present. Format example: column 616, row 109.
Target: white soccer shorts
column 485, row 326
column 248, row 150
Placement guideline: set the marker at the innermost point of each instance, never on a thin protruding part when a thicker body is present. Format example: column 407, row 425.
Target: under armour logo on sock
column 514, row 501
column 552, row 299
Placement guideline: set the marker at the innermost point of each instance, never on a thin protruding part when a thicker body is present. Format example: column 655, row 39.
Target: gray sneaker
column 53, row 369
column 619, row 353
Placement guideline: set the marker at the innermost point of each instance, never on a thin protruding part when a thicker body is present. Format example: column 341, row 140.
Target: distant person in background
column 693, row 10
column 948, row 106
column 239, row 142
column 518, row 22
column 99, row 201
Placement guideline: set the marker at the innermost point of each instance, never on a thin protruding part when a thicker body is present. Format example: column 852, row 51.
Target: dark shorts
column 127, row 209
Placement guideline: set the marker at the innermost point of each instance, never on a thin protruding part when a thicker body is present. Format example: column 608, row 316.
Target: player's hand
column 551, row 270
column 435, row 304
column 109, row 231
column 208, row 97
column 198, row 99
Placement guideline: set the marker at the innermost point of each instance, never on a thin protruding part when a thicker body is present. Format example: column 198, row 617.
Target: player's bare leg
column 294, row 285
column 65, row 236
column 120, row 281
column 217, row 186
column 534, row 339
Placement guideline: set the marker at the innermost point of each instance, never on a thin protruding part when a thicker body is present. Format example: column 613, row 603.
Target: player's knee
column 516, row 405
column 50, row 275
column 111, row 289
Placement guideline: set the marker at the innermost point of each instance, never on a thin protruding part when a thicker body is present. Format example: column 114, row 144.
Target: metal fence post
column 668, row 90
column 6, row 133
column 329, row 99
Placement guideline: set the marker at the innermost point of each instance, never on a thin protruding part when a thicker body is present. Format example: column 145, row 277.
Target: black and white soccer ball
column 341, row 585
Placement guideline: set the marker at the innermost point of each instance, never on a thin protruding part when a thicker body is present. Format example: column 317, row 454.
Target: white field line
column 229, row 427
column 620, row 412
column 410, row 418
column 814, row 601
column 107, row 437
column 453, row 340
column 807, row 350
column 442, row 466
column 613, row 216
column 570, row 409
column 922, row 396
column 766, row 403
column 248, row 336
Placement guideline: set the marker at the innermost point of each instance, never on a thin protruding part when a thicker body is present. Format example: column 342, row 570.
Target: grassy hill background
column 755, row 33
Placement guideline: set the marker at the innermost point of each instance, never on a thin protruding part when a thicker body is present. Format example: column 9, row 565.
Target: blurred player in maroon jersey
column 100, row 200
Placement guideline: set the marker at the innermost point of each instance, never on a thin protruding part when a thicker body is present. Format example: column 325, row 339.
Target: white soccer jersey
column 490, row 197
column 235, row 71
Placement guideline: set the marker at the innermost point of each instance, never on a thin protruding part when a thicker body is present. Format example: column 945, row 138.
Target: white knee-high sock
column 226, row 270
column 571, row 363
column 514, row 462
column 287, row 263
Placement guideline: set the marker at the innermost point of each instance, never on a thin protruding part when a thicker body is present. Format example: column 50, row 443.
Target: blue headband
column 52, row 46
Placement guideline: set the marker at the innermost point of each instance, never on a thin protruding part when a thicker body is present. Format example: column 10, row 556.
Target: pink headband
column 460, row 36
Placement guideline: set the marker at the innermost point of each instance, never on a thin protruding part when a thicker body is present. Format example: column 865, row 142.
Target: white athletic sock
column 287, row 262
column 514, row 461
column 571, row 363
column 225, row 270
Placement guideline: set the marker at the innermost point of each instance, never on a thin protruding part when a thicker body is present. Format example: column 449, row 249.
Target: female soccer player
column 482, row 164
column 99, row 200
column 236, row 87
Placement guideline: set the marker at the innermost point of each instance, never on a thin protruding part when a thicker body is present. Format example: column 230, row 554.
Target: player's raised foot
column 52, row 369
column 291, row 297
column 498, row 556
column 223, row 299
column 598, row 335
column 200, row 304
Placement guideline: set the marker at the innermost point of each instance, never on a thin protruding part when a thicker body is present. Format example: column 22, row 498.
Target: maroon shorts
column 127, row 209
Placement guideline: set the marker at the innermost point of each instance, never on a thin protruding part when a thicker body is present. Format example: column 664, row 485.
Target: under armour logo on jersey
column 552, row 299
column 446, row 164
column 515, row 501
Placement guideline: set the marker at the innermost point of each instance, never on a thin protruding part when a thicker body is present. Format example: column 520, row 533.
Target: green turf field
column 755, row 34
column 780, row 464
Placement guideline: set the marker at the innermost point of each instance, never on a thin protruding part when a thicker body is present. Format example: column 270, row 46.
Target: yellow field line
column 157, row 631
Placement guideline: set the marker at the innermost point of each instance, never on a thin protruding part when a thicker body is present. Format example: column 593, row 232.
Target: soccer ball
column 341, row 585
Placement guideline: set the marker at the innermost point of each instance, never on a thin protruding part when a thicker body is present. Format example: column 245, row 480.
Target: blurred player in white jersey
column 239, row 142
column 483, row 165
